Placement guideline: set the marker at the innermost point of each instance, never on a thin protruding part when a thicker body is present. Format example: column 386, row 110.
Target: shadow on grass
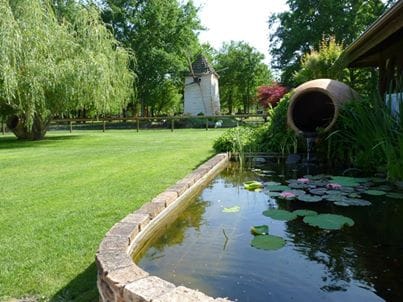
column 82, row 288
column 10, row 142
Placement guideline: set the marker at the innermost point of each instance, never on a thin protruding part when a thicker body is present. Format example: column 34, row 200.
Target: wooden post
column 3, row 128
column 71, row 126
column 138, row 124
column 104, row 126
column 206, row 124
column 172, row 124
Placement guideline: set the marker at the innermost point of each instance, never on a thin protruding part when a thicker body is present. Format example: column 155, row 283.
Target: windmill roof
column 201, row 66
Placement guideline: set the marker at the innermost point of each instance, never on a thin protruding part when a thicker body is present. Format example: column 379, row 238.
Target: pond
column 208, row 247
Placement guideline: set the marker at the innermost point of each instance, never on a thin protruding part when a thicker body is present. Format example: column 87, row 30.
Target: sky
column 238, row 20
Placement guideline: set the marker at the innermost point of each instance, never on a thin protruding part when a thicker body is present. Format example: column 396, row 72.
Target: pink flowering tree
column 270, row 95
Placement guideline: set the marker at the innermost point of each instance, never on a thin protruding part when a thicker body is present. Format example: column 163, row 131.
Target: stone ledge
column 119, row 278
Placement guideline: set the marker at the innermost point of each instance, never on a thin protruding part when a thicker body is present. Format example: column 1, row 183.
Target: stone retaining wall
column 119, row 278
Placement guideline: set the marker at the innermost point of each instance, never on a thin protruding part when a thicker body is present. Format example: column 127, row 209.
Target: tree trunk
column 37, row 132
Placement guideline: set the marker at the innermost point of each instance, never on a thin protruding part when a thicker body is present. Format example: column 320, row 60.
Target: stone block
column 126, row 275
column 109, row 261
column 152, row 209
column 167, row 197
column 141, row 219
column 146, row 289
column 184, row 294
column 128, row 231
column 179, row 188
column 114, row 243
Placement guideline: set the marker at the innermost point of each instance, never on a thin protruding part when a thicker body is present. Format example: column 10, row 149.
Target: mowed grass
column 61, row 195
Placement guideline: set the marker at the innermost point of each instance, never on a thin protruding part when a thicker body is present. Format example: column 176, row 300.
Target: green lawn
column 61, row 195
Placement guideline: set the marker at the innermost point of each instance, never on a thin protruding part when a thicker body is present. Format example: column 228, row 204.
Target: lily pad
column 310, row 198
column 395, row 195
column 294, row 185
column 329, row 221
column 345, row 202
column 260, row 230
column 233, row 209
column 304, row 213
column 280, row 214
column 252, row 185
column 287, row 195
column 273, row 194
column 268, row 242
column 375, row 192
column 318, row 191
column 297, row 192
column 334, row 197
column 273, row 183
column 346, row 181
column 277, row 188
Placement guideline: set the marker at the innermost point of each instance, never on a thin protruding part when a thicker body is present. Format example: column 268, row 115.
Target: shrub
column 241, row 138
column 270, row 95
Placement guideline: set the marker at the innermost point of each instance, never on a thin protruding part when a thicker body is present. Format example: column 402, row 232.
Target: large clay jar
column 315, row 104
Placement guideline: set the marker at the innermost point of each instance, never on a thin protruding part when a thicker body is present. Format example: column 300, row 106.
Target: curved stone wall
column 119, row 278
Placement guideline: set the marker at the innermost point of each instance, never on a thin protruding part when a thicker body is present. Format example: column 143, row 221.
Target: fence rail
column 140, row 122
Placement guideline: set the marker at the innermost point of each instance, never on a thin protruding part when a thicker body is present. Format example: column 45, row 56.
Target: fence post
column 138, row 124
column 206, row 124
column 3, row 128
column 104, row 126
column 71, row 126
column 172, row 124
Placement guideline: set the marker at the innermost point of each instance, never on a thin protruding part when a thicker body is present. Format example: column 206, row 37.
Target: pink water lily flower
column 287, row 195
column 333, row 186
column 303, row 180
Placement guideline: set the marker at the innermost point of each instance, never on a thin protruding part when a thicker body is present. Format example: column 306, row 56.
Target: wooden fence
column 138, row 123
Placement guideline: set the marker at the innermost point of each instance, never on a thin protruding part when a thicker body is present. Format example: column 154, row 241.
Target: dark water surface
column 361, row 263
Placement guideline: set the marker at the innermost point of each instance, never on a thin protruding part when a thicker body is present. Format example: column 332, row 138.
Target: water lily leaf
column 383, row 188
column 329, row 221
column 305, row 213
column 395, row 195
column 350, row 189
column 294, row 185
column 378, row 180
column 233, row 209
column 260, row 230
column 273, row 194
column 318, row 191
column 334, row 197
column 252, row 185
column 277, row 188
column 268, row 242
column 375, row 192
column 297, row 192
column 280, row 214
column 335, row 192
column 346, row 181
column 345, row 202
column 258, row 190
column 354, row 195
column 273, row 183
column 310, row 198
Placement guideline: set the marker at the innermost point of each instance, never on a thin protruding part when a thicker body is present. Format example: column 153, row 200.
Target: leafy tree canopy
column 301, row 29
column 242, row 70
column 162, row 34
column 50, row 64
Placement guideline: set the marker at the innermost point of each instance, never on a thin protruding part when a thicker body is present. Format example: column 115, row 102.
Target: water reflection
column 362, row 263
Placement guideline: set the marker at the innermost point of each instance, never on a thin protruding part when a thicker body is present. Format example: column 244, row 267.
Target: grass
column 61, row 195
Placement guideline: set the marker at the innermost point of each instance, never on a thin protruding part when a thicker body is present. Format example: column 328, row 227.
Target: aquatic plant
column 268, row 242
column 260, row 230
column 328, row 221
column 234, row 209
column 280, row 214
column 304, row 213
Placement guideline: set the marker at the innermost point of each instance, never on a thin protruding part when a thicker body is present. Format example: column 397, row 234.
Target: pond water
column 210, row 250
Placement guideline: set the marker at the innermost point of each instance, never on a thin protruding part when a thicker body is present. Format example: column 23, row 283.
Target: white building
column 201, row 89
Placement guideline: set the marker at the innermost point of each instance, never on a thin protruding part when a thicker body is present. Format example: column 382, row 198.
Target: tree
column 320, row 64
column 50, row 66
column 242, row 71
column 162, row 34
column 301, row 29
column 270, row 95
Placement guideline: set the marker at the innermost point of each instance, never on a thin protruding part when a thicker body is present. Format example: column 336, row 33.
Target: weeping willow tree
column 54, row 63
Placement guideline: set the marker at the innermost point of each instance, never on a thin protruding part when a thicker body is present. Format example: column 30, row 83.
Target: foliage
column 329, row 221
column 300, row 30
column 50, row 65
column 275, row 135
column 162, row 34
column 237, row 139
column 320, row 64
column 258, row 230
column 62, row 194
column 270, row 95
column 368, row 136
column 268, row 242
column 242, row 70
column 280, row 214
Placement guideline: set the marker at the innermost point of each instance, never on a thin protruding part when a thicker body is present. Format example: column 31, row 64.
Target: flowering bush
column 270, row 95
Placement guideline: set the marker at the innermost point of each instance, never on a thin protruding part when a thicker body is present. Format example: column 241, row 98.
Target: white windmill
column 201, row 89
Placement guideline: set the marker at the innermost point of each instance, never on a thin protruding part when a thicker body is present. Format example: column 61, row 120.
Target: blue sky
column 238, row 20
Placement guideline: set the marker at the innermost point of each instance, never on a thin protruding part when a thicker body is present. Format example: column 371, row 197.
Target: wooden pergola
column 381, row 46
